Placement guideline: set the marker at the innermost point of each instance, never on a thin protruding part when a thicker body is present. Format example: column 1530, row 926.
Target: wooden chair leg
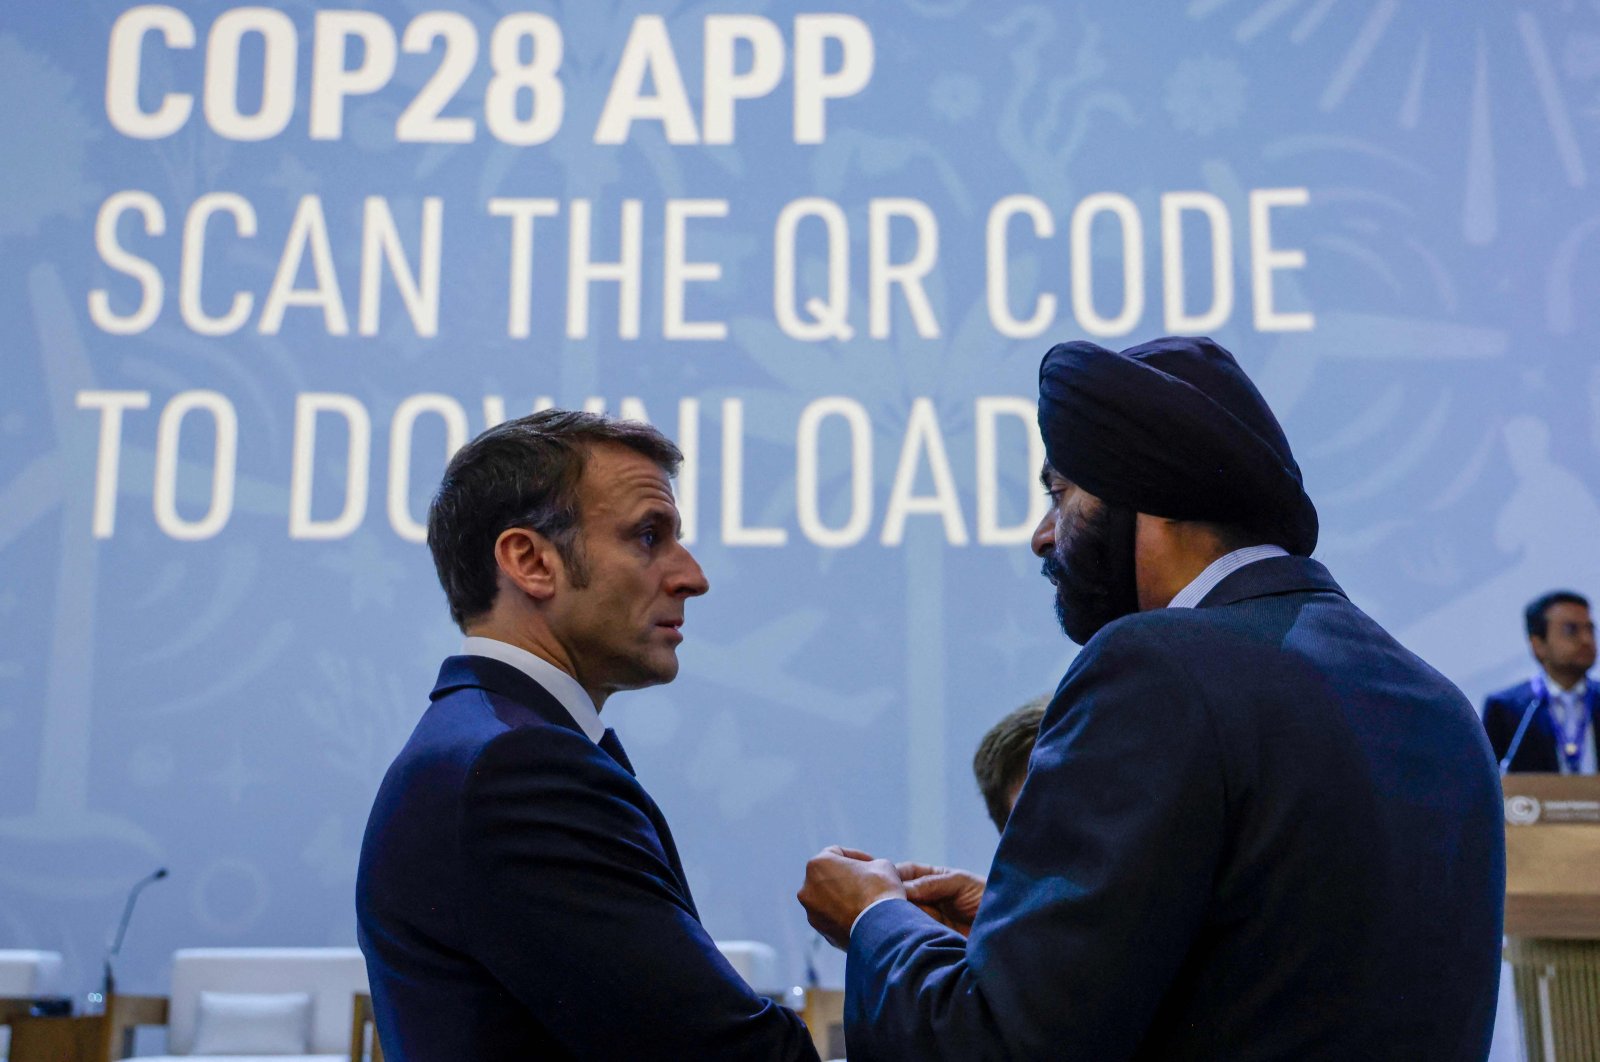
column 361, row 1020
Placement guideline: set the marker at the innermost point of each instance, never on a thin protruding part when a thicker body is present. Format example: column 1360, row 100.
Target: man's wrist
column 868, row 907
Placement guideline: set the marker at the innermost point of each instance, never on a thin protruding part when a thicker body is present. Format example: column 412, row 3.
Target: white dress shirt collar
column 560, row 685
column 1578, row 689
column 1220, row 569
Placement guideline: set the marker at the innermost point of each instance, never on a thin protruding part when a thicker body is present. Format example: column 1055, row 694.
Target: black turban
column 1173, row 428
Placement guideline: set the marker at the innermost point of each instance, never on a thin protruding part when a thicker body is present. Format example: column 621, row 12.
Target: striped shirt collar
column 1220, row 569
column 557, row 683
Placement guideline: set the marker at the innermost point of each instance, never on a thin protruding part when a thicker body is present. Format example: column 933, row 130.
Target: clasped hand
column 842, row 882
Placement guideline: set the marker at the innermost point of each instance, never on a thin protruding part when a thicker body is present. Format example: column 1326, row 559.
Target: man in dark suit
column 1254, row 826
column 519, row 894
column 1548, row 723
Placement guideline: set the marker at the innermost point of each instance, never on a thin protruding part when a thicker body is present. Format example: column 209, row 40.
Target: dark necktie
column 613, row 746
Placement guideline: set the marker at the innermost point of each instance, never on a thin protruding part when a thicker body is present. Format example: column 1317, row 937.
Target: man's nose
column 1044, row 536
column 688, row 579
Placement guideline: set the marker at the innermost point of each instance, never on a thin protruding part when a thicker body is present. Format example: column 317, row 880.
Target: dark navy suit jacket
column 1257, row 829
column 520, row 897
column 1502, row 714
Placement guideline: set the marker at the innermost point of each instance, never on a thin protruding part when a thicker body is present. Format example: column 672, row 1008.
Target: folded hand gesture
column 951, row 896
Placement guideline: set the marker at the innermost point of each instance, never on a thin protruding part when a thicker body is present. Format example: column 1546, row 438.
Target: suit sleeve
column 580, row 918
column 1098, row 889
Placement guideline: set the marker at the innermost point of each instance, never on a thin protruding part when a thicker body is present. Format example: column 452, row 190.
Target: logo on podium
column 1522, row 810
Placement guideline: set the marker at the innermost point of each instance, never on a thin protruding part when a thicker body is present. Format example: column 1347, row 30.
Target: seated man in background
column 1000, row 766
column 1548, row 722
column 519, row 893
column 1001, row 762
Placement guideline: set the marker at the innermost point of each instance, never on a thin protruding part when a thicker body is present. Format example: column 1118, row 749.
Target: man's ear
column 529, row 561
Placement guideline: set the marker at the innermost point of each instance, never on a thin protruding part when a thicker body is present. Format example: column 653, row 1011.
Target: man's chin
column 1080, row 623
column 658, row 667
column 1063, row 612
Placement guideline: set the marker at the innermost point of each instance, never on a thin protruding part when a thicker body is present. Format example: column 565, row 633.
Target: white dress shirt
column 560, row 685
column 1568, row 706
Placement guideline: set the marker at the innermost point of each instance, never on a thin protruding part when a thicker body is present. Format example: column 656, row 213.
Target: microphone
column 109, row 984
column 1522, row 728
column 812, row 980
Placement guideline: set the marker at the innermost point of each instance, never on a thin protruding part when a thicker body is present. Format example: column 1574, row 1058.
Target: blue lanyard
column 1570, row 747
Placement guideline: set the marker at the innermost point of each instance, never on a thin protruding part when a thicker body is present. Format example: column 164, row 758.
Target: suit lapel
column 671, row 848
column 1544, row 720
column 1539, row 751
column 612, row 746
column 525, row 702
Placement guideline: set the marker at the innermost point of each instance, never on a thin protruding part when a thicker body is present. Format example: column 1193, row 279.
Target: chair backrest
column 25, row 974
column 754, row 961
column 331, row 975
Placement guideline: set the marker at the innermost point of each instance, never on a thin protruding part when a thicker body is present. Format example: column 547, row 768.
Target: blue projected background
column 264, row 267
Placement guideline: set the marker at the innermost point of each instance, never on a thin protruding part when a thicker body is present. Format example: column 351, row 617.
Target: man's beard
column 1092, row 569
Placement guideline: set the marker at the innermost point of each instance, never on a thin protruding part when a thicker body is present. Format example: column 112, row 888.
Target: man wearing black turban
column 1254, row 826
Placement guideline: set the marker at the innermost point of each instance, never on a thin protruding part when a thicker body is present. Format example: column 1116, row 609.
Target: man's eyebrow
column 658, row 513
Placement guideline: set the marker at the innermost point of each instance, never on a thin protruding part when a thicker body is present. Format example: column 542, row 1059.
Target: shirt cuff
column 868, row 907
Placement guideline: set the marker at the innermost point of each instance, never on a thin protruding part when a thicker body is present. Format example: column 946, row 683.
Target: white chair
column 331, row 977
column 258, row 983
column 26, row 975
column 754, row 961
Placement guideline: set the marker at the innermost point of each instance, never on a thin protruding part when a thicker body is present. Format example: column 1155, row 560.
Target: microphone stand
column 108, row 984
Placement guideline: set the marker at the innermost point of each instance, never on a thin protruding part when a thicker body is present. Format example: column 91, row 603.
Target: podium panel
column 80, row 1039
column 1552, row 856
column 1553, row 912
